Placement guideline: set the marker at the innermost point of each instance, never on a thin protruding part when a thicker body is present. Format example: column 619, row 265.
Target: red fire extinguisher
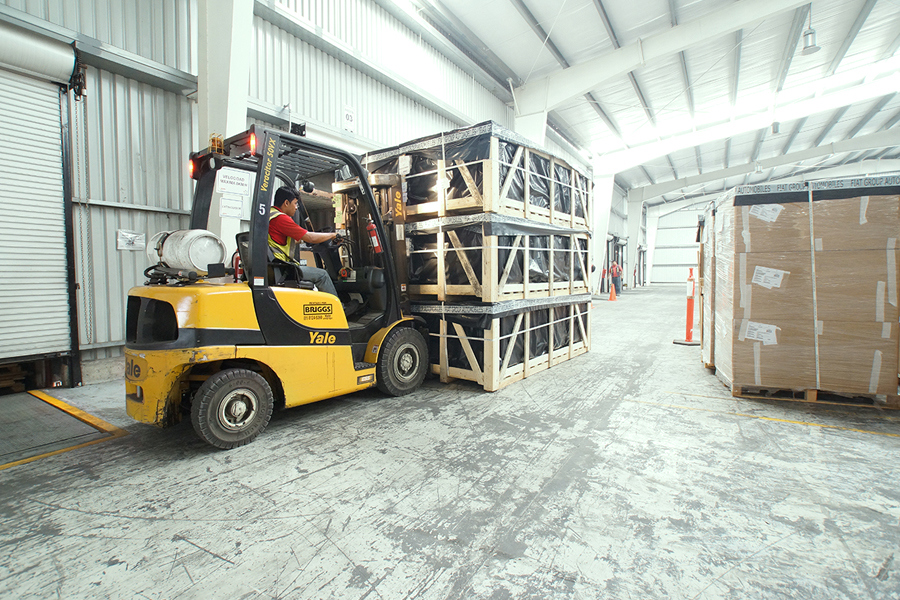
column 238, row 267
column 373, row 237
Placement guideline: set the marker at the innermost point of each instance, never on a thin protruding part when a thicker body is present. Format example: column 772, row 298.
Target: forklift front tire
column 403, row 362
column 231, row 408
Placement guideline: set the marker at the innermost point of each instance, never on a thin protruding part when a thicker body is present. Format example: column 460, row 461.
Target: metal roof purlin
column 601, row 10
column 827, row 129
column 851, row 35
column 793, row 136
column 870, row 115
column 791, row 46
column 738, row 44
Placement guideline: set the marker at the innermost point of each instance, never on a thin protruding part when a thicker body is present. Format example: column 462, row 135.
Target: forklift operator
column 283, row 231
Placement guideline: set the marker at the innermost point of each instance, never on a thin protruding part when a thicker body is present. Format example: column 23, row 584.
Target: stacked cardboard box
column 493, row 242
column 805, row 289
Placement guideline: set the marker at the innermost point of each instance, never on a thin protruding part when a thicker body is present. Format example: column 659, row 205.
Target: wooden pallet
column 12, row 378
column 502, row 350
column 494, row 268
column 815, row 396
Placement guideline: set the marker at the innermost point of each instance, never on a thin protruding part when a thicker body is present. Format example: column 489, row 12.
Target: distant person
column 283, row 231
column 615, row 271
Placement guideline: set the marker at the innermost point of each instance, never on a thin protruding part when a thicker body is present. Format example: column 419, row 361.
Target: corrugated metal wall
column 129, row 147
column 382, row 114
column 159, row 31
column 676, row 245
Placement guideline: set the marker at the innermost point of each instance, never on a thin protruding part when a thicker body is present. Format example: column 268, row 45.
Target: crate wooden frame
column 496, row 373
column 494, row 285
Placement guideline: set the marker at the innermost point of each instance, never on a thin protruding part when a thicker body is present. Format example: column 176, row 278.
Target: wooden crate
column 497, row 344
column 484, row 257
column 486, row 168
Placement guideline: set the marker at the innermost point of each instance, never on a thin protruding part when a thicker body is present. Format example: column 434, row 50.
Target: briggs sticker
column 317, row 310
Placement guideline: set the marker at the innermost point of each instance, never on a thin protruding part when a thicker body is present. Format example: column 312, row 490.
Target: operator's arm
column 317, row 237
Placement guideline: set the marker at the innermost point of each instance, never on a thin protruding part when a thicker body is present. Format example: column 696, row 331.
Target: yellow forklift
column 227, row 345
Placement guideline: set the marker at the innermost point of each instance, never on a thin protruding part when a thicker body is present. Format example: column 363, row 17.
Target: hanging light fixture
column 809, row 38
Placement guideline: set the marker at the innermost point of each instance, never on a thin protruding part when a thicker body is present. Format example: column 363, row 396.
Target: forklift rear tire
column 231, row 408
column 403, row 362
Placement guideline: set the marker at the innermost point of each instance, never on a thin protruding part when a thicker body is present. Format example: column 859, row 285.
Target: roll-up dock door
column 34, row 282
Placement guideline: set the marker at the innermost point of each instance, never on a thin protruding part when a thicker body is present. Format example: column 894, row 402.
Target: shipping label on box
column 768, row 278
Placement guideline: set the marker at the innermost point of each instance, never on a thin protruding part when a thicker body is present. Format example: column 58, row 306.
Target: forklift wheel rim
column 237, row 410
column 406, row 362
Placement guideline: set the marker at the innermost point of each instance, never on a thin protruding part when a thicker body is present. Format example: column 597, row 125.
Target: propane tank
column 373, row 237
column 189, row 249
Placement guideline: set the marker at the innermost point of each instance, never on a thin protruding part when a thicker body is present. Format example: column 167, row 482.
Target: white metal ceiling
column 719, row 84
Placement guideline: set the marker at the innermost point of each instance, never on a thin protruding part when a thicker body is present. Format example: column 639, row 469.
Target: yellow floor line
column 734, row 414
column 99, row 424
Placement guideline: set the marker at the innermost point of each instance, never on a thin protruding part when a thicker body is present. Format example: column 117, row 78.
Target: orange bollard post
column 689, row 328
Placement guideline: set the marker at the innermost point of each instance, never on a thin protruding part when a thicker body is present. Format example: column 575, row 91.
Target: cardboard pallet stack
column 800, row 289
column 495, row 243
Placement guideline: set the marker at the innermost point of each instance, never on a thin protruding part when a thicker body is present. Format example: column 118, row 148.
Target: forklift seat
column 279, row 273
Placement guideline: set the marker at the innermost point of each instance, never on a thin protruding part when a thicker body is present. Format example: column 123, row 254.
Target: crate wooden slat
column 497, row 344
column 493, row 263
column 501, row 176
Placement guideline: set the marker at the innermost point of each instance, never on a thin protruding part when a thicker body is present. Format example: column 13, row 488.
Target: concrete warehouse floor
column 629, row 472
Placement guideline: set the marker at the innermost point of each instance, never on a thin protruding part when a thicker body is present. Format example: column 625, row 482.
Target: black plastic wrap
column 580, row 194
column 467, row 150
column 386, row 166
column 458, row 187
column 539, row 182
column 517, row 189
column 540, row 333
column 539, row 259
column 561, row 259
column 423, row 265
column 576, row 330
column 473, row 326
column 422, row 188
column 471, row 242
column 582, row 250
column 562, row 197
column 561, row 324
column 515, row 272
column 507, row 326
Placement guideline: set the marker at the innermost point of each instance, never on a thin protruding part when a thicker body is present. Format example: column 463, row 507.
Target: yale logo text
column 321, row 338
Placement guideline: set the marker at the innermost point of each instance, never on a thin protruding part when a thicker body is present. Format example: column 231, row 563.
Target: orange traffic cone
column 612, row 293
